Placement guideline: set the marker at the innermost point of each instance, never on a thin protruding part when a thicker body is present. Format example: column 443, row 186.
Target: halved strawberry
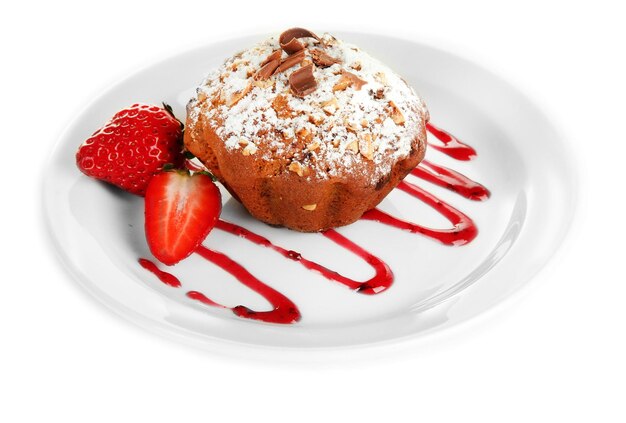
column 181, row 209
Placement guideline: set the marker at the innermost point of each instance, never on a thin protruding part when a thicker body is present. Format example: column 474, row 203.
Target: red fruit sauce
column 451, row 144
column 283, row 310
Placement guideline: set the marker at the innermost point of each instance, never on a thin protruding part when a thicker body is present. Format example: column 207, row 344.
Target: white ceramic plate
column 98, row 231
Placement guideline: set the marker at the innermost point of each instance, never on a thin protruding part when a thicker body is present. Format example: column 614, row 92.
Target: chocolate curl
column 267, row 70
column 322, row 59
column 289, row 39
column 395, row 114
column 275, row 55
column 290, row 61
column 356, row 82
column 302, row 81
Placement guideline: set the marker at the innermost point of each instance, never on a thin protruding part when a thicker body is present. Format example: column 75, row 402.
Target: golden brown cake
column 307, row 132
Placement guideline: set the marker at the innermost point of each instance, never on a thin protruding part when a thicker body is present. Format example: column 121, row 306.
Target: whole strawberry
column 132, row 147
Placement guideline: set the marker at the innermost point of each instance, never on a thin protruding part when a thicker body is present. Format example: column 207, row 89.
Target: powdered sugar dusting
column 333, row 131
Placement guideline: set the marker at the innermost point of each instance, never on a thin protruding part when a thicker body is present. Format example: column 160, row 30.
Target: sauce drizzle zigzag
column 283, row 309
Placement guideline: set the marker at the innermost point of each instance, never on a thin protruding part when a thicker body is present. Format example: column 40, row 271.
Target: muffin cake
column 306, row 132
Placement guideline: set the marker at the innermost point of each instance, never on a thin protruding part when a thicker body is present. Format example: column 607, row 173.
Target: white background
column 555, row 352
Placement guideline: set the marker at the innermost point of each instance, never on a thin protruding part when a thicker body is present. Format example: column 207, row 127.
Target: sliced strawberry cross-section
column 181, row 209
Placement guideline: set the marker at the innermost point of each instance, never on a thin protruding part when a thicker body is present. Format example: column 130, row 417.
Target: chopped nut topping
column 264, row 84
column 281, row 107
column 356, row 66
column 381, row 77
column 222, row 95
column 336, row 142
column 316, row 118
column 366, row 148
column 321, row 59
column 249, row 149
column 303, row 133
column 309, row 207
column 351, row 126
column 239, row 95
column 364, row 123
column 349, row 79
column 243, row 141
column 330, row 107
column 353, row 146
column 342, row 84
column 396, row 114
column 379, row 94
column 201, row 96
column 296, row 168
column 218, row 98
column 313, row 146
